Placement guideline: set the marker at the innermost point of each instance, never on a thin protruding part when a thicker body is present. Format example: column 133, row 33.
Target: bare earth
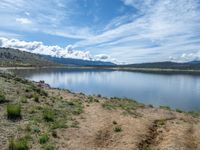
column 178, row 132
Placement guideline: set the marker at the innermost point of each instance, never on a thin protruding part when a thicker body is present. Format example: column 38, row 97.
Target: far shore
column 147, row 70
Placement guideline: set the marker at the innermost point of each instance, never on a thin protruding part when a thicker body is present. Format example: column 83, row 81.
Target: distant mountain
column 167, row 65
column 194, row 62
column 78, row 62
column 13, row 57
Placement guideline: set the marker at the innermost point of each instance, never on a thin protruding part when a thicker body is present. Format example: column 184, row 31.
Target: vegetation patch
column 23, row 99
column 179, row 111
column 36, row 97
column 74, row 106
column 124, row 104
column 2, row 97
column 194, row 113
column 44, row 138
column 117, row 129
column 48, row 146
column 19, row 144
column 165, row 107
column 48, row 115
column 14, row 111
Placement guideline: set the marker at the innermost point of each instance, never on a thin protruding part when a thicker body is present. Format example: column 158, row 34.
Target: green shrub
column 18, row 144
column 43, row 93
column 165, row 107
column 40, row 91
column 118, row 129
column 36, row 97
column 179, row 111
column 23, row 99
column 2, row 97
column 59, row 124
column 36, row 129
column 91, row 99
column 48, row 147
column 14, row 111
column 44, row 138
column 146, row 147
column 48, row 115
column 124, row 104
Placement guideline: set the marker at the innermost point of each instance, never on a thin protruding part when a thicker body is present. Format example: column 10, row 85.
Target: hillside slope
column 78, row 62
column 16, row 58
column 167, row 65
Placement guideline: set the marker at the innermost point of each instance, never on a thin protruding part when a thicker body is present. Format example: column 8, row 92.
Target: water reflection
column 176, row 91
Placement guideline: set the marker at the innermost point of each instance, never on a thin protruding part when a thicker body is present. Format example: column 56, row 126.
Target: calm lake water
column 174, row 90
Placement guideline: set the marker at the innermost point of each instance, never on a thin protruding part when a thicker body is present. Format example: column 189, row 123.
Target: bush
column 43, row 139
column 18, row 144
column 48, row 115
column 179, row 111
column 40, row 91
column 2, row 98
column 48, row 147
column 117, row 129
column 14, row 111
column 36, row 98
column 165, row 107
column 23, row 99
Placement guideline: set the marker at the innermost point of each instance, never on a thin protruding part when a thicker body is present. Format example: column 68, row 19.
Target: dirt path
column 162, row 131
column 97, row 131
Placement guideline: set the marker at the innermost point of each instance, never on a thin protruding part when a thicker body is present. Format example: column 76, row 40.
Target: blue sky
column 130, row 31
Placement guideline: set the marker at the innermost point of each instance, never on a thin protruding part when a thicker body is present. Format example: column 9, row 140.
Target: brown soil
column 157, row 129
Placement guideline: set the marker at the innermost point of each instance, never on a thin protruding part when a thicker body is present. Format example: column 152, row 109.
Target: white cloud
column 162, row 28
column 186, row 57
column 56, row 51
column 23, row 21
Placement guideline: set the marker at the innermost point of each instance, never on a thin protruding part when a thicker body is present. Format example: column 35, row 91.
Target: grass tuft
column 2, row 98
column 165, row 107
column 118, row 129
column 48, row 115
column 23, row 99
column 18, row 144
column 48, row 147
column 43, row 138
column 14, row 111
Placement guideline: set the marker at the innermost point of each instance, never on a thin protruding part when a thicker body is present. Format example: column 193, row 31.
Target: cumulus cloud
column 102, row 56
column 162, row 28
column 56, row 51
column 186, row 57
column 23, row 21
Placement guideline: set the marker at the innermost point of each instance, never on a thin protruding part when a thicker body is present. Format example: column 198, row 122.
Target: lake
column 175, row 90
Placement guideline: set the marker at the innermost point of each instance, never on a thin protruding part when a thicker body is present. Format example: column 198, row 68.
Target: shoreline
column 143, row 70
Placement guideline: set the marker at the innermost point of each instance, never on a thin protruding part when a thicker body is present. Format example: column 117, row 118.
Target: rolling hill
column 13, row 57
column 193, row 65
column 77, row 62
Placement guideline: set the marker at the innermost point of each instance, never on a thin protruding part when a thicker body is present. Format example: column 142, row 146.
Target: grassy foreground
column 35, row 116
